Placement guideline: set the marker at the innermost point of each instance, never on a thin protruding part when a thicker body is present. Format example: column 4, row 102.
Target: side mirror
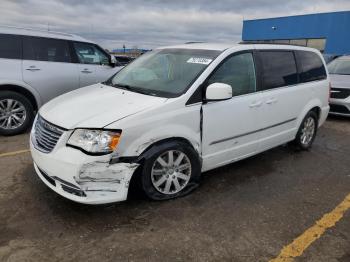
column 112, row 61
column 218, row 91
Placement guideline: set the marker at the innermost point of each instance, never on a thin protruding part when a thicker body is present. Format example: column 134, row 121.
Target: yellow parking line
column 14, row 153
column 301, row 243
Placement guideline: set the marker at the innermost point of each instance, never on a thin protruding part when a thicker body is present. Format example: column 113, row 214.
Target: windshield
column 165, row 73
column 339, row 67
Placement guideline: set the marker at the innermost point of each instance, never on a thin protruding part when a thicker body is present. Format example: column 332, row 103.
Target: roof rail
column 257, row 42
column 36, row 30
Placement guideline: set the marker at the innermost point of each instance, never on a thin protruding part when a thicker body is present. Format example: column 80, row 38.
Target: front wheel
column 171, row 171
column 307, row 131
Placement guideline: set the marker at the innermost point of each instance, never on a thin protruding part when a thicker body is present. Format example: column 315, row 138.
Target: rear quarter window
column 278, row 69
column 311, row 66
column 10, row 46
column 46, row 49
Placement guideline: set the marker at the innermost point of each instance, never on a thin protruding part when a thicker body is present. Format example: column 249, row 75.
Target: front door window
column 237, row 71
column 90, row 54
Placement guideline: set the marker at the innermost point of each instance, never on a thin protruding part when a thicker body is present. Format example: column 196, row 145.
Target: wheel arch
column 313, row 105
column 317, row 110
column 135, row 181
column 33, row 98
column 158, row 144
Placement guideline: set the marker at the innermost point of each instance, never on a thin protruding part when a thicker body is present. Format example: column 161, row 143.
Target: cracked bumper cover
column 82, row 178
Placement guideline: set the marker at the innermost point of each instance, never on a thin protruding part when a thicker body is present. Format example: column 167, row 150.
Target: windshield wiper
column 122, row 86
column 134, row 89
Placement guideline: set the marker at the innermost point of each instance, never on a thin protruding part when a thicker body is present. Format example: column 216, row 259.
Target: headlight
column 95, row 141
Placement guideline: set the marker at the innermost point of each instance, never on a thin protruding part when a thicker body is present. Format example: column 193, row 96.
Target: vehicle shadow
column 138, row 211
column 338, row 118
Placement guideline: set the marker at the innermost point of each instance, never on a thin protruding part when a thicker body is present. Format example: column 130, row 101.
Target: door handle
column 86, row 71
column 271, row 101
column 33, row 68
column 255, row 104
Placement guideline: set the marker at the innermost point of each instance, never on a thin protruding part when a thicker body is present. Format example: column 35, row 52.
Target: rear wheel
column 171, row 171
column 16, row 113
column 307, row 131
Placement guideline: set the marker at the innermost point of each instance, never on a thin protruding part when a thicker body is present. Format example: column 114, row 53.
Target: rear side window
column 311, row 66
column 10, row 46
column 278, row 69
column 46, row 49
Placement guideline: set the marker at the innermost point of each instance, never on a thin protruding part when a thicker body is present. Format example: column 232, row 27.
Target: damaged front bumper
column 82, row 178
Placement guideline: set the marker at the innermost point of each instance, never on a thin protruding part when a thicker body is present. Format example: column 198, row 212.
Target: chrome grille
column 45, row 135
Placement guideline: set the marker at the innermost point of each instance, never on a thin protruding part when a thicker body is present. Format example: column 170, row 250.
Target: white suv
column 176, row 112
column 36, row 66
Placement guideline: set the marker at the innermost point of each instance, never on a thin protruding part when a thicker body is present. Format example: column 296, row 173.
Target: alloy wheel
column 171, row 172
column 308, row 131
column 12, row 114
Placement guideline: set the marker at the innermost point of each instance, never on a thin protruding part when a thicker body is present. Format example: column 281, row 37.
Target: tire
column 22, row 113
column 307, row 132
column 181, row 180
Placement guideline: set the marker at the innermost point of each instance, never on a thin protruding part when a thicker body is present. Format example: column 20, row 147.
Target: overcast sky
column 151, row 23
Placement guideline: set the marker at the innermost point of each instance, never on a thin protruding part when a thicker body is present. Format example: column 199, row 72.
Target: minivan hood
column 340, row 81
column 96, row 106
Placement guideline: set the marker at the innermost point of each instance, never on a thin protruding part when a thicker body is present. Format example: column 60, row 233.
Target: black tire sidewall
column 298, row 137
column 29, row 113
column 146, row 181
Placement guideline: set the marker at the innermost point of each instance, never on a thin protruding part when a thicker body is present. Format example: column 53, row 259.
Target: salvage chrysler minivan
column 176, row 112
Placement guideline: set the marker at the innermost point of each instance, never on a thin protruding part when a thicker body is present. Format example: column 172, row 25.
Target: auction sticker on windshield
column 199, row 60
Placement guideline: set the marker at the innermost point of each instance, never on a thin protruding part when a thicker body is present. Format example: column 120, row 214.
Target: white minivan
column 176, row 112
column 36, row 66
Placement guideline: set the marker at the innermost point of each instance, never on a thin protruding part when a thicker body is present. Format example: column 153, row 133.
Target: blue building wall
column 335, row 27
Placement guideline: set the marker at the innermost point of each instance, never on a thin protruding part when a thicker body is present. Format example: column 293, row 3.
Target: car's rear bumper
column 323, row 115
